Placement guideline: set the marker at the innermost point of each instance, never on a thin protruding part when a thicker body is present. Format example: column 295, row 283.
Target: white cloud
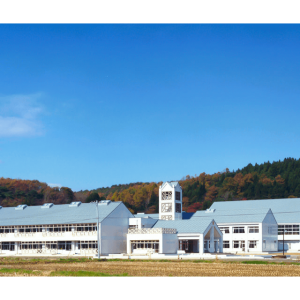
column 19, row 115
column 54, row 185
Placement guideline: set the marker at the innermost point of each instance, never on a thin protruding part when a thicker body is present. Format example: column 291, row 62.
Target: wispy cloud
column 19, row 115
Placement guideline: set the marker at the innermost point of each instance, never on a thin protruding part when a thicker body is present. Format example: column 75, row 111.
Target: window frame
column 238, row 229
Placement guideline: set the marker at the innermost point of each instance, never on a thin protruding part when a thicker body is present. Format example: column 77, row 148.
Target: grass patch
column 23, row 271
column 255, row 262
column 84, row 274
column 203, row 261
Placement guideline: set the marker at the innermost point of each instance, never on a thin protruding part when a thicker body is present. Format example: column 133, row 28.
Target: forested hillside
column 31, row 192
column 269, row 180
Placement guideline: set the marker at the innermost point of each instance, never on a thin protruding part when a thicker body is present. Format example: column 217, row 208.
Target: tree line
column 278, row 179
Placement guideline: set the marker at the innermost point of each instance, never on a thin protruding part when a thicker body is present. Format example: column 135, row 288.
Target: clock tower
column 170, row 201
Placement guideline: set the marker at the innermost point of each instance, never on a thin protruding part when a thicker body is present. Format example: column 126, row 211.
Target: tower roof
column 170, row 183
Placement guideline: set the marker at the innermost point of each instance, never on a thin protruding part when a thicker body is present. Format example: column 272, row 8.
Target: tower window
column 177, row 195
column 166, row 207
column 178, row 207
column 166, row 196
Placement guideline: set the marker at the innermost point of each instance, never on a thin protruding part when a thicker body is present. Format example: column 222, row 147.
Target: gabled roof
column 57, row 214
column 285, row 210
column 171, row 183
column 233, row 216
column 185, row 226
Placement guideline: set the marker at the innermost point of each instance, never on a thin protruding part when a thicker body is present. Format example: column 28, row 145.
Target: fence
column 152, row 230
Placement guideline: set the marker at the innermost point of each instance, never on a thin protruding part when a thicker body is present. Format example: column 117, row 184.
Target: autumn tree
column 92, row 197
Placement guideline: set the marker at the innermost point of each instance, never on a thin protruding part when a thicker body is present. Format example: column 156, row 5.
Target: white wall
column 114, row 230
column 269, row 233
column 242, row 237
column 170, row 243
column 291, row 242
column 144, row 237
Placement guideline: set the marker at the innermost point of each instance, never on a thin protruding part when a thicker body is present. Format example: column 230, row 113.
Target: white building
column 169, row 232
column 233, row 226
column 286, row 212
column 213, row 230
column 64, row 229
column 252, row 230
column 169, row 237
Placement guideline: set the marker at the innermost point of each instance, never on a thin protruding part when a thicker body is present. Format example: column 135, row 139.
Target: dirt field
column 85, row 267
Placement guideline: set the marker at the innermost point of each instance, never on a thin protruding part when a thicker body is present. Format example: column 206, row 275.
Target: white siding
column 114, row 230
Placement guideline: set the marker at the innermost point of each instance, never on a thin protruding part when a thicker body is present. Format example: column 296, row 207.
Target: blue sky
column 87, row 106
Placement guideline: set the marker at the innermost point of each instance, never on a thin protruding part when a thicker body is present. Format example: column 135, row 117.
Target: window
column 224, row 230
column 166, row 196
column 166, row 207
column 86, row 245
column 226, row 244
column 62, row 245
column 178, row 207
column 177, row 196
column 145, row 245
column 31, row 245
column 85, row 227
column 238, row 244
column 289, row 229
column 5, row 229
column 238, row 230
column 253, row 244
column 10, row 246
column 253, row 229
column 51, row 245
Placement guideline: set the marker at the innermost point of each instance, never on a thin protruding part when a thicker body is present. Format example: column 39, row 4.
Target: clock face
column 166, row 207
column 166, row 196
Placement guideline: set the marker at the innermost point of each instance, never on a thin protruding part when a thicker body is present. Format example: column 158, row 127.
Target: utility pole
column 283, row 241
column 98, row 245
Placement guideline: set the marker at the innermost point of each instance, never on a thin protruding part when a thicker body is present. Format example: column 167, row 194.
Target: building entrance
column 189, row 246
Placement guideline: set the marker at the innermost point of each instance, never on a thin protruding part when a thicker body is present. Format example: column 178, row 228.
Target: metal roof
column 142, row 215
column 233, row 216
column 171, row 183
column 285, row 210
column 57, row 214
column 197, row 225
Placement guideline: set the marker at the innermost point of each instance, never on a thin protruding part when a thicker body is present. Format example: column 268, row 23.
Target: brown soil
column 139, row 268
